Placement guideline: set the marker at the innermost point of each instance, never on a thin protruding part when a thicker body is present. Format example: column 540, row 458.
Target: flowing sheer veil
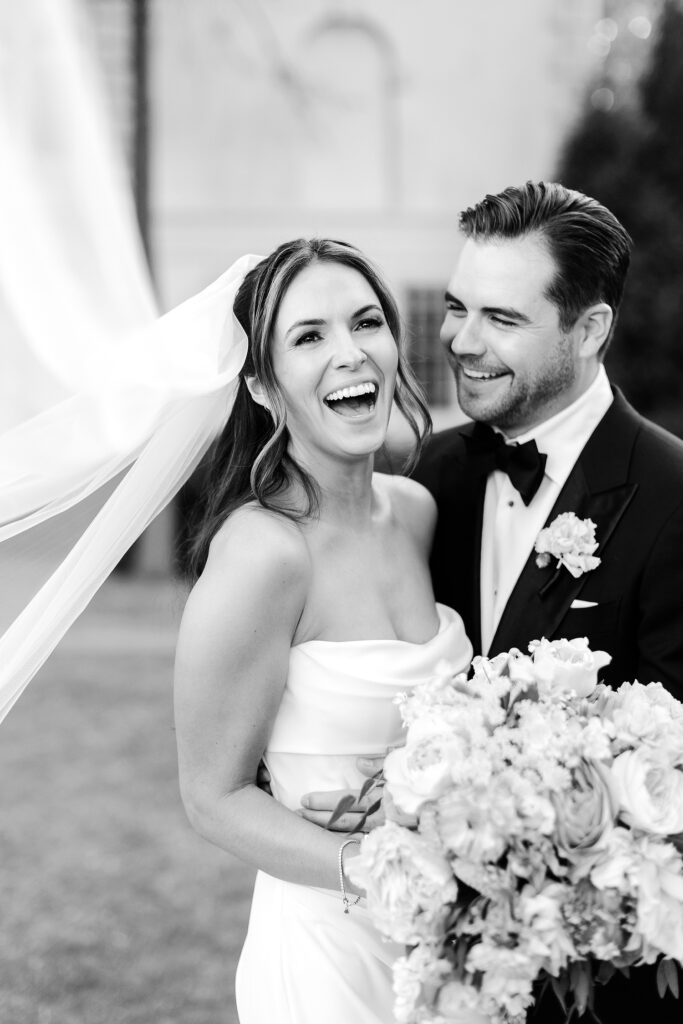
column 105, row 408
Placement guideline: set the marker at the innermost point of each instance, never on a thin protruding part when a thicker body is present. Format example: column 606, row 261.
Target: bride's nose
column 347, row 352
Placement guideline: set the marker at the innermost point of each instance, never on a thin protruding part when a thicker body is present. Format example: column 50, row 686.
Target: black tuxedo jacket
column 629, row 481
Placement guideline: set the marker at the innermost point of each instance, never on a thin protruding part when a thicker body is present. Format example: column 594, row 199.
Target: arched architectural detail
column 351, row 75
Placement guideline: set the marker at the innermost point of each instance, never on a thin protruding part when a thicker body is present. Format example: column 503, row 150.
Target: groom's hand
column 319, row 806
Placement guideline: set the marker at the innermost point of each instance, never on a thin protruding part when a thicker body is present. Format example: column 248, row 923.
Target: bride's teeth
column 352, row 391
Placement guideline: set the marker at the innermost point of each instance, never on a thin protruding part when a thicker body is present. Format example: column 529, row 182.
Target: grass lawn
column 112, row 910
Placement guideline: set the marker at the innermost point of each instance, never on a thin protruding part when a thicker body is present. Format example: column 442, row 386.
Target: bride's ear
column 257, row 392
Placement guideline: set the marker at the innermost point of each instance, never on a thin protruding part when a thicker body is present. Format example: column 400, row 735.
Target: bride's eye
column 308, row 338
column 370, row 323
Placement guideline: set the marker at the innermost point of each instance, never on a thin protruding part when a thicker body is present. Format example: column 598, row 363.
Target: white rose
column 407, row 990
column 660, row 898
column 409, row 884
column 507, row 975
column 649, row 790
column 616, row 869
column 567, row 666
column 468, row 825
column 417, row 977
column 459, row 1003
column 545, row 934
column 647, row 714
column 421, row 770
column 585, row 812
column 521, row 668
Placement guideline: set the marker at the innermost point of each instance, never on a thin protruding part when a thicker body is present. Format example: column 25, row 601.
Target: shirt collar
column 563, row 436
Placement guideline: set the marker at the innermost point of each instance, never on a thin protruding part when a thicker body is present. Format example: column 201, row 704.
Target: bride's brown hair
column 250, row 460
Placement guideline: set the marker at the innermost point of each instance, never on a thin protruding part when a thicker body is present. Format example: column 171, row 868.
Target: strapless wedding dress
column 304, row 961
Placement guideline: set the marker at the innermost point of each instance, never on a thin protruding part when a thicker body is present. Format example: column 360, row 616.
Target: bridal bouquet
column 549, row 808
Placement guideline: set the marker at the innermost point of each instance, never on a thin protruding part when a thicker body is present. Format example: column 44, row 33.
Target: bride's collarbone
column 368, row 562
column 369, row 592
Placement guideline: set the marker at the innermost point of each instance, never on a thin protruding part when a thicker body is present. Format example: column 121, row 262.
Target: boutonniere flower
column 571, row 541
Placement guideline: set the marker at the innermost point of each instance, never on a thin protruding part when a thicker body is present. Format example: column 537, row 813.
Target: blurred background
column 161, row 139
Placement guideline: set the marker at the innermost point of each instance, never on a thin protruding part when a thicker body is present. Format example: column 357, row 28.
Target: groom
column 530, row 311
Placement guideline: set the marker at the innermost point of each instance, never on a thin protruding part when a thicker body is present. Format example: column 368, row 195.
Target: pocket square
column 583, row 604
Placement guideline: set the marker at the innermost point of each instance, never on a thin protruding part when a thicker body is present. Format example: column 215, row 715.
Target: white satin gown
column 304, row 961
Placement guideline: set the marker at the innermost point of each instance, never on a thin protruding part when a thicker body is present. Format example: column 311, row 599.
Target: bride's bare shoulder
column 264, row 541
column 257, row 559
column 411, row 504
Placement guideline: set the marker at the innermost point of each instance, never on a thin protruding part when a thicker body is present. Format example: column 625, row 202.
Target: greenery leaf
column 346, row 803
column 369, row 784
column 672, row 977
column 662, row 982
column 371, row 810
column 560, row 987
column 581, row 985
column 606, row 972
column 667, row 978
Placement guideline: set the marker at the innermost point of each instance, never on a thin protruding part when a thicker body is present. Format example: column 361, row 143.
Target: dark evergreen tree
column 631, row 159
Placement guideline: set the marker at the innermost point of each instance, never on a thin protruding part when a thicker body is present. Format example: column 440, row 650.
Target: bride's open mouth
column 356, row 400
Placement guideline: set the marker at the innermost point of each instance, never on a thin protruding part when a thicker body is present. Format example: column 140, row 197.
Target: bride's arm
column 231, row 667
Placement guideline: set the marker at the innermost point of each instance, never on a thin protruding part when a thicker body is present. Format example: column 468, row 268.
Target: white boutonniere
column 571, row 541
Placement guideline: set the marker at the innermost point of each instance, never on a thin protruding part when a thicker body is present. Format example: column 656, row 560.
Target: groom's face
column 514, row 367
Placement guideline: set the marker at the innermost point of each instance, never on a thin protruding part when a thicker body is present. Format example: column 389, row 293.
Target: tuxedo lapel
column 597, row 488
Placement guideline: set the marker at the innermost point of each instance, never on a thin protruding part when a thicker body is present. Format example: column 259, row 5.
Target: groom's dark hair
column 591, row 249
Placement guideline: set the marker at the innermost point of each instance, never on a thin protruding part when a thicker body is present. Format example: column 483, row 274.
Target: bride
column 312, row 609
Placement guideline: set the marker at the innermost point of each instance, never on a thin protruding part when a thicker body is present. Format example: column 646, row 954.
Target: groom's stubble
column 525, row 400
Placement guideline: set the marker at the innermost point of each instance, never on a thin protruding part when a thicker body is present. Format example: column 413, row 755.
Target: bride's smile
column 335, row 360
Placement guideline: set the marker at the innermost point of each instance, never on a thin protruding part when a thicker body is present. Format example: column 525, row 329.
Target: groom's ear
column 593, row 327
column 257, row 391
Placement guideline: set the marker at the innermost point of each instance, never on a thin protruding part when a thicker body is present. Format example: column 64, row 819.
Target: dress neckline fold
column 446, row 617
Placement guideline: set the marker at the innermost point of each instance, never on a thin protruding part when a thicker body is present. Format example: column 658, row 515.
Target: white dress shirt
column 510, row 527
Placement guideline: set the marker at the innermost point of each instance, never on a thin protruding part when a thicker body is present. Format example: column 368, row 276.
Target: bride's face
column 335, row 359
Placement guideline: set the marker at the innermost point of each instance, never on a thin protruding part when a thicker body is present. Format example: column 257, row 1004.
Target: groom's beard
column 517, row 400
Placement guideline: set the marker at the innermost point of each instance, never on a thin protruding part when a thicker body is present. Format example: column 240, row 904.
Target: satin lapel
column 559, row 590
column 597, row 489
column 525, row 615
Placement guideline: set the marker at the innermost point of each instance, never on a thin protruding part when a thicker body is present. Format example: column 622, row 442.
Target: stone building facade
column 374, row 121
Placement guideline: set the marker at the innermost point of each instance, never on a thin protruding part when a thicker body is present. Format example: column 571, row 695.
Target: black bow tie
column 523, row 463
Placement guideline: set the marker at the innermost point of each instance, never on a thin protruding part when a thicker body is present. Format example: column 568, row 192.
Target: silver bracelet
column 345, row 898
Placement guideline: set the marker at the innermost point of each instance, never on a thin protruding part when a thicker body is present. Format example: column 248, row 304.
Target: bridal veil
column 105, row 407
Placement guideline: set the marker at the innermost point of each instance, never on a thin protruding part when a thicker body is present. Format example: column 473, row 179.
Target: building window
column 424, row 316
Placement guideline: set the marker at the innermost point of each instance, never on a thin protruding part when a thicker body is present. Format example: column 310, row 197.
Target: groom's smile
column 480, row 374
